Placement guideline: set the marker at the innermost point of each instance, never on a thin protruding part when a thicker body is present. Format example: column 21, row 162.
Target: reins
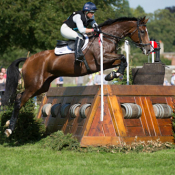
column 122, row 38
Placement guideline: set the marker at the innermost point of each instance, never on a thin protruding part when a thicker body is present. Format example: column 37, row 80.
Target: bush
column 28, row 128
column 58, row 141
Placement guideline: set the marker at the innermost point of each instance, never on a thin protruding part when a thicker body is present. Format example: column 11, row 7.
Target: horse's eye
column 142, row 31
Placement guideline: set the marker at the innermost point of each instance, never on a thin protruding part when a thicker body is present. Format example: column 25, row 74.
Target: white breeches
column 68, row 33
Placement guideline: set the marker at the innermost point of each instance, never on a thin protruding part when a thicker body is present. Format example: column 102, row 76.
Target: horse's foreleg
column 14, row 117
column 122, row 66
column 120, row 71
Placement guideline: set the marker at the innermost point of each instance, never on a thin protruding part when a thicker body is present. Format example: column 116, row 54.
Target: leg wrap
column 122, row 66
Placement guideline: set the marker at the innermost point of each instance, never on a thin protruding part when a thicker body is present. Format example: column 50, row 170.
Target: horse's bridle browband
column 140, row 40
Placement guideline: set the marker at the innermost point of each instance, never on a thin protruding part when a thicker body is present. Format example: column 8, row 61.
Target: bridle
column 140, row 44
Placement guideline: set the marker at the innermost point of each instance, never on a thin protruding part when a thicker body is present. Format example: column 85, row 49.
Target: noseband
column 140, row 40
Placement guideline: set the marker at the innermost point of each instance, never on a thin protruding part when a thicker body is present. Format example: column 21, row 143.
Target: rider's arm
column 93, row 23
column 80, row 26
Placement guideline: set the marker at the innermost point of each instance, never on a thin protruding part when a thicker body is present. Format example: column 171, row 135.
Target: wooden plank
column 142, row 90
column 99, row 141
column 135, row 131
column 150, row 116
column 127, row 99
column 169, row 101
column 129, row 140
column 143, row 119
column 153, row 117
column 73, row 91
column 164, row 122
column 107, row 123
column 166, row 130
column 158, row 99
column 132, row 122
column 103, row 141
column 105, row 127
column 91, row 115
column 116, row 113
column 96, row 128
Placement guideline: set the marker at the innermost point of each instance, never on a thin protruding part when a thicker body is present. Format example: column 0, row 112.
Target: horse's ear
column 146, row 20
column 142, row 20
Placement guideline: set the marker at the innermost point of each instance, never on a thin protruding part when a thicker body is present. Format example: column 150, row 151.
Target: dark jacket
column 84, row 19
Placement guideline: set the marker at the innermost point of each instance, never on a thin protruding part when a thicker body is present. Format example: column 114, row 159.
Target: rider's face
column 90, row 15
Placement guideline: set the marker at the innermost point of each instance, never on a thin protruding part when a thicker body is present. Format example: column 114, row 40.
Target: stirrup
column 77, row 60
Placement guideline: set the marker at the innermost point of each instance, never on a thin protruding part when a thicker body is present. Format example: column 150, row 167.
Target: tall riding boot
column 78, row 52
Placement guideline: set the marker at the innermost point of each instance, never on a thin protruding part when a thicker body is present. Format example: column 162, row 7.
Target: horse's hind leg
column 20, row 100
column 14, row 117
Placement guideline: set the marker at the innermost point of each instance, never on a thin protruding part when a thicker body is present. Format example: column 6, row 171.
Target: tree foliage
column 161, row 27
column 138, row 12
column 34, row 25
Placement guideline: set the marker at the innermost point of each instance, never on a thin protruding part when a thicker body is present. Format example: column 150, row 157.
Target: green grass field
column 31, row 160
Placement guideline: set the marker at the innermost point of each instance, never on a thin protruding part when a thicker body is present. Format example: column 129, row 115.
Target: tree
column 138, row 12
column 171, row 9
column 161, row 27
column 33, row 25
column 123, row 9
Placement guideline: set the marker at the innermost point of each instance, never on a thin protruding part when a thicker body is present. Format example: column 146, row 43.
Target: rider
column 78, row 21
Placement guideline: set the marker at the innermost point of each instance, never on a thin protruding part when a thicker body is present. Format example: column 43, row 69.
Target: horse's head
column 140, row 36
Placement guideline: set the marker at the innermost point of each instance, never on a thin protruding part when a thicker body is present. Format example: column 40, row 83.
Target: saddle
column 70, row 44
column 66, row 47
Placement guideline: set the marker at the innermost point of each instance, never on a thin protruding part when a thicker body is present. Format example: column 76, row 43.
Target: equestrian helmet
column 90, row 7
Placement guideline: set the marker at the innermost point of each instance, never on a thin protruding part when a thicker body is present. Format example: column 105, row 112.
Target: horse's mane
column 111, row 21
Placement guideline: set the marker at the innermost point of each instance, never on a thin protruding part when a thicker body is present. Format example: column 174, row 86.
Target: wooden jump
column 76, row 110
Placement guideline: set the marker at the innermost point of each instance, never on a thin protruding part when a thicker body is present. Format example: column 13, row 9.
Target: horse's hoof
column 8, row 132
column 7, row 123
column 112, row 75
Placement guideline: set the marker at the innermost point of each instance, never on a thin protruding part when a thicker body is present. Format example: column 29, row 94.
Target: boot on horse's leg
column 14, row 117
column 119, row 72
column 78, row 52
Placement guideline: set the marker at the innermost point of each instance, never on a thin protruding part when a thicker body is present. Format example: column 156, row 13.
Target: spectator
column 97, row 79
column 79, row 81
column 59, row 82
column 3, row 70
column 173, row 78
column 91, row 80
column 166, row 83
column 2, row 85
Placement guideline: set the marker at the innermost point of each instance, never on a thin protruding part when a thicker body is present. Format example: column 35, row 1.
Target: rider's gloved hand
column 96, row 29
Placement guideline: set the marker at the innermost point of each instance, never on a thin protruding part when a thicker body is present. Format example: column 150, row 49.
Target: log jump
column 130, row 111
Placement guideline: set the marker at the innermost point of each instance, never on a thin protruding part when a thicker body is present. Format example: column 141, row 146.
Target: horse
column 40, row 69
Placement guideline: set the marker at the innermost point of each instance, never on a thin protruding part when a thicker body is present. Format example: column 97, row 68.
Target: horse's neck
column 122, row 29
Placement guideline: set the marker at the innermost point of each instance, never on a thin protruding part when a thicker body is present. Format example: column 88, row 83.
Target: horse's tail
column 12, row 81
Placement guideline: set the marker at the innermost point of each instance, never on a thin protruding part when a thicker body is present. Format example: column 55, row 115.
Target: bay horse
column 39, row 70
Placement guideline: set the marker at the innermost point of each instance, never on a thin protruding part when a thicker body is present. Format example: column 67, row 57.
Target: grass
column 32, row 159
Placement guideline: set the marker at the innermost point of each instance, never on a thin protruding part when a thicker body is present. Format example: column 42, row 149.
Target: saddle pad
column 65, row 49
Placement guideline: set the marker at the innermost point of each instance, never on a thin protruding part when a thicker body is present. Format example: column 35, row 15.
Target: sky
column 150, row 6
